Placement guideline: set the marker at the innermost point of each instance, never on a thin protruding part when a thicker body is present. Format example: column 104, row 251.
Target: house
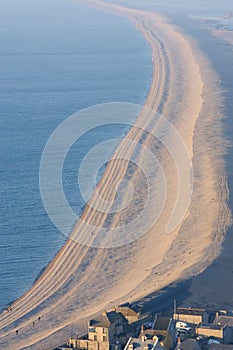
column 99, row 333
column 106, row 332
column 224, row 318
column 142, row 343
column 191, row 315
column 164, row 330
column 221, row 333
column 131, row 315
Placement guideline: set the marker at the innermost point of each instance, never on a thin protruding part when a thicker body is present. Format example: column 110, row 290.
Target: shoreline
column 220, row 270
column 70, row 257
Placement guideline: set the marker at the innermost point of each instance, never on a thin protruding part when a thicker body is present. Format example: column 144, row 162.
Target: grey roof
column 100, row 321
column 190, row 311
column 150, row 333
column 189, row 344
column 220, row 347
column 224, row 320
column 139, row 344
column 126, row 311
column 114, row 316
column 162, row 324
column 210, row 326
column 107, row 319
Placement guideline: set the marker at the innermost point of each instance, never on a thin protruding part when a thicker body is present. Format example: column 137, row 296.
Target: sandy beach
column 82, row 281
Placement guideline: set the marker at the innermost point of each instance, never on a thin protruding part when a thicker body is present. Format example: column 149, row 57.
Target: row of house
column 108, row 331
column 210, row 331
column 124, row 329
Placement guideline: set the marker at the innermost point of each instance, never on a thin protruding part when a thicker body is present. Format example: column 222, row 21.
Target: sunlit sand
column 82, row 281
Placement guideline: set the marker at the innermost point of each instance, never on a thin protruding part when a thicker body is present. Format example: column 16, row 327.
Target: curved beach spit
column 82, row 281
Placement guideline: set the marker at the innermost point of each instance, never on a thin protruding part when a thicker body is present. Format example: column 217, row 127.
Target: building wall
column 192, row 318
column 116, row 347
column 196, row 319
column 168, row 343
column 225, row 334
column 228, row 335
column 205, row 318
column 82, row 344
column 208, row 332
column 116, row 332
column 89, row 344
column 94, row 345
column 98, row 334
column 73, row 342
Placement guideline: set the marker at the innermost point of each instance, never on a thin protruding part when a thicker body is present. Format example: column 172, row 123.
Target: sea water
column 56, row 58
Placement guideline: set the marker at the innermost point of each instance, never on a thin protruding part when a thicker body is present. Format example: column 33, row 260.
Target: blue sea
column 56, row 58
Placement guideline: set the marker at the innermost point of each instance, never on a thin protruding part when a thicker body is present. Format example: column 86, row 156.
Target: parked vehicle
column 183, row 327
column 213, row 341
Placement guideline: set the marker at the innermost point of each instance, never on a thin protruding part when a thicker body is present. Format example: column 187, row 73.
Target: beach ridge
column 63, row 294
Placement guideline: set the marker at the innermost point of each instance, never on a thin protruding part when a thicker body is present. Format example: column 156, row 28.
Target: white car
column 183, row 327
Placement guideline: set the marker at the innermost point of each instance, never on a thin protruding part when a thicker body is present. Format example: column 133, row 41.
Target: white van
column 183, row 327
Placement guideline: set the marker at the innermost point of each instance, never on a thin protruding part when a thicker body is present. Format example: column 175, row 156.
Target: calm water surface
column 56, row 57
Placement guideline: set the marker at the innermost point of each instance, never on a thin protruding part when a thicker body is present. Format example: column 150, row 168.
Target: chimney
column 143, row 338
column 155, row 338
column 174, row 307
column 179, row 341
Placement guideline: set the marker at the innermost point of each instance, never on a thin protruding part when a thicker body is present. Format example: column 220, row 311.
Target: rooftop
column 162, row 324
column 190, row 311
column 150, row 333
column 220, row 347
column 107, row 319
column 139, row 344
column 210, row 326
column 189, row 344
column 224, row 320
column 114, row 316
column 100, row 321
column 126, row 311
